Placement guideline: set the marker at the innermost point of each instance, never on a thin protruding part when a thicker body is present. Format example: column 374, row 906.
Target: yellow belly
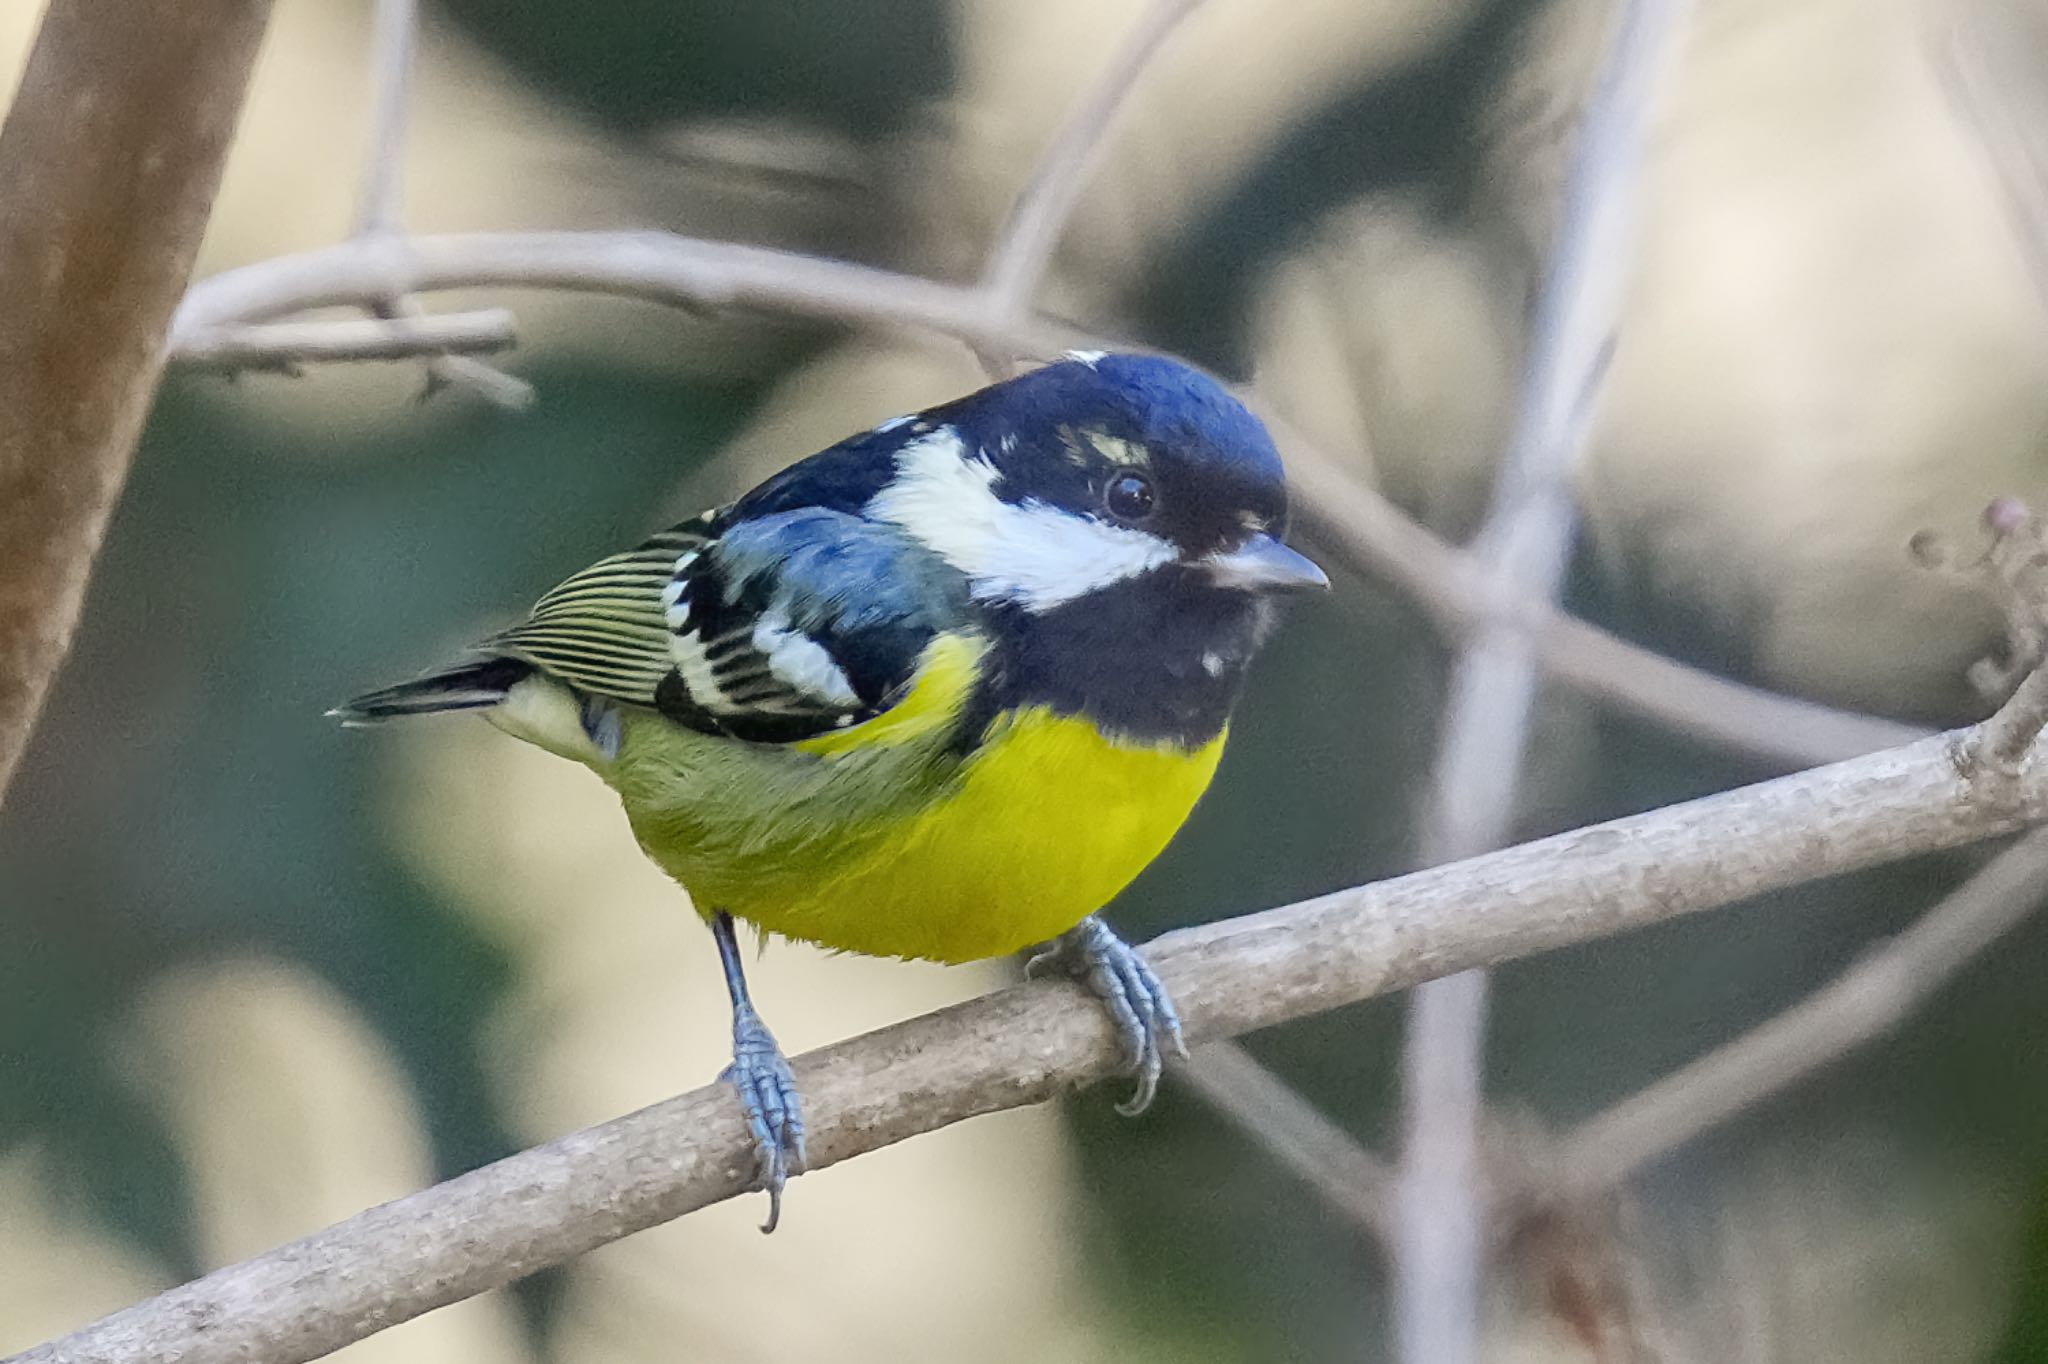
column 1048, row 822
column 852, row 842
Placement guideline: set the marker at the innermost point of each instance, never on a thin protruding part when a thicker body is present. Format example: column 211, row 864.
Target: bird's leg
column 760, row 1073
column 1138, row 1004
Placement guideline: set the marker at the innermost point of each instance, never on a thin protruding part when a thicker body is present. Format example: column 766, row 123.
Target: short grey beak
column 1263, row 564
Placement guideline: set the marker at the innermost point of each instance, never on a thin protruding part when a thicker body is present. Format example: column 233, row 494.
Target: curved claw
column 760, row 1075
column 1136, row 999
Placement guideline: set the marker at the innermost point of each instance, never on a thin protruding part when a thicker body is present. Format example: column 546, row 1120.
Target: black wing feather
column 769, row 628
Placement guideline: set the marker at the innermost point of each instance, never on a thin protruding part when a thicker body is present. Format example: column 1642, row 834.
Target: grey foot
column 1137, row 1003
column 768, row 1094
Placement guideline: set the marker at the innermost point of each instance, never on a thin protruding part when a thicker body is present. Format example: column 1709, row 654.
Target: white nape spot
column 1212, row 663
column 842, row 722
column 894, row 423
column 684, row 560
column 1090, row 358
column 801, row 661
column 673, row 593
column 1027, row 552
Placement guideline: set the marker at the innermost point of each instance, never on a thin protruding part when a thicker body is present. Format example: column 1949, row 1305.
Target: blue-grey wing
column 797, row 623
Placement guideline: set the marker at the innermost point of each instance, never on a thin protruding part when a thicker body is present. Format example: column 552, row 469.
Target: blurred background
column 257, row 973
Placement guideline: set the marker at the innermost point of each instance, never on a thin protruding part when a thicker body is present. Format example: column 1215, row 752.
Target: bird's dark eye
column 1129, row 496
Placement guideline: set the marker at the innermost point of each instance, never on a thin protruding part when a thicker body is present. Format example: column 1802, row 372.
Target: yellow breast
column 1049, row 820
column 841, row 842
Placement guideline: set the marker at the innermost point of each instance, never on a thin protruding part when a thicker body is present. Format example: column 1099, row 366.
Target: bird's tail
column 465, row 686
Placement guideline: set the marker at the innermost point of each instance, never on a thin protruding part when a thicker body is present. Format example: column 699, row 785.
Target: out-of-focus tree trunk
column 109, row 160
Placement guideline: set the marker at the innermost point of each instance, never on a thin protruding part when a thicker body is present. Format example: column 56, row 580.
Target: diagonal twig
column 1864, row 1003
column 1525, row 542
column 1025, row 245
column 1304, row 1139
column 1025, row 1044
column 1880, row 991
column 1377, row 538
column 1375, row 535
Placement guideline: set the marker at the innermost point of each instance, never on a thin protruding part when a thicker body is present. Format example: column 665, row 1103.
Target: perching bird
column 938, row 691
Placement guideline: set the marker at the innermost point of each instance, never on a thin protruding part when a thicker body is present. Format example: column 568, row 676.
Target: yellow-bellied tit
column 938, row 691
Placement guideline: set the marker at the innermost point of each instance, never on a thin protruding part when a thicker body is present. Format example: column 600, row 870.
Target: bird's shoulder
column 783, row 616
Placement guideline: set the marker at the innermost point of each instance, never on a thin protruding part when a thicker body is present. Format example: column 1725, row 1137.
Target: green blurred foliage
column 862, row 68
column 185, row 797
column 2026, row 1340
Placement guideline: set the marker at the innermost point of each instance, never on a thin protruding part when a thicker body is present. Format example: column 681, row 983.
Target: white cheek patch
column 1030, row 553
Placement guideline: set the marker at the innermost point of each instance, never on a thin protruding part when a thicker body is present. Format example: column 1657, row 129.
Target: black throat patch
column 1160, row 658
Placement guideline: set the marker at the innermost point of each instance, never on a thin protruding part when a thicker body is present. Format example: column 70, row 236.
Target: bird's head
column 1095, row 472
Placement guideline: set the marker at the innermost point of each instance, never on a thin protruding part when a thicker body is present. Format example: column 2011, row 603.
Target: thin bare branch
column 1025, row 1044
column 1294, row 1131
column 1742, row 719
column 1371, row 532
column 380, row 205
column 395, row 37
column 658, row 267
column 109, row 158
column 285, row 345
column 487, row 381
column 1229, row 1079
column 1878, row 993
column 1869, row 1000
column 1524, row 544
column 1025, row 245
column 1991, row 53
column 1441, row 1196
column 1376, row 538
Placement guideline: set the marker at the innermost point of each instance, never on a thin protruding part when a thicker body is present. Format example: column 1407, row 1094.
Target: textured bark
column 1024, row 1045
column 109, row 160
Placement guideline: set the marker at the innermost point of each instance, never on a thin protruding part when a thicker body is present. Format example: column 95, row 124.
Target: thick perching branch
column 535, row 1209
column 1883, row 988
column 1028, row 1043
column 552, row 1203
column 108, row 163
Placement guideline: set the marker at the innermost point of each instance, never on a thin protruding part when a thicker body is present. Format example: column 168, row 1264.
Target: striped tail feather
column 465, row 686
